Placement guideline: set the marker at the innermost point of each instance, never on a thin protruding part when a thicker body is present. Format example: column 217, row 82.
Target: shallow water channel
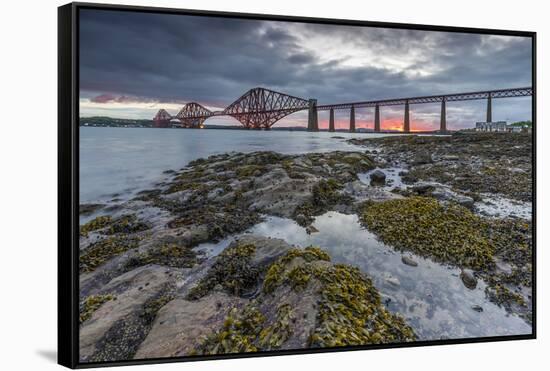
column 430, row 296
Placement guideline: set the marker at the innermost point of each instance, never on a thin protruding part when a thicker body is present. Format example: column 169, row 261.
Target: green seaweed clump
column 100, row 252
column 249, row 170
column 448, row 233
column 275, row 335
column 126, row 224
column 239, row 333
column 232, row 270
column 324, row 195
column 95, row 224
column 351, row 313
column 92, row 303
column 152, row 306
column 298, row 276
column 168, row 254
column 503, row 296
column 246, row 331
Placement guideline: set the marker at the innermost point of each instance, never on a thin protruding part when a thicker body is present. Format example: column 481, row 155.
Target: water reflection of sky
column 430, row 296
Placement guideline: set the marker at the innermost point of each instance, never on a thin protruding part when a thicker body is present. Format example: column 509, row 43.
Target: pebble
column 311, row 229
column 393, row 281
column 408, row 261
column 468, row 278
column 477, row 308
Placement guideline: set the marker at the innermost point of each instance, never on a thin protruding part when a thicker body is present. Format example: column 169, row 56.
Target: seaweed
column 101, row 251
column 92, row 303
column 447, row 233
column 232, row 270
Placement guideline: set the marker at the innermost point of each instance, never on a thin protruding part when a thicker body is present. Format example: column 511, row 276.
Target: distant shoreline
column 301, row 129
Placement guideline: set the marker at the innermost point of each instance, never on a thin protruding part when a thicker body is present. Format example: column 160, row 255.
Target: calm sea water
column 117, row 162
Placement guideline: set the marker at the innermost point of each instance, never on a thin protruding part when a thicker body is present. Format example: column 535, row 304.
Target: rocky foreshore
column 146, row 291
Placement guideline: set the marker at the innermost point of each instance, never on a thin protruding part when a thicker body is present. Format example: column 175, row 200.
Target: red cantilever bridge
column 261, row 108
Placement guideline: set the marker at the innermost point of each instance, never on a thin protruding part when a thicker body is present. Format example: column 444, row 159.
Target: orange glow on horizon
column 386, row 124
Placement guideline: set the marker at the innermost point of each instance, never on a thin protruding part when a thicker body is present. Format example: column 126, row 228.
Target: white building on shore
column 501, row 126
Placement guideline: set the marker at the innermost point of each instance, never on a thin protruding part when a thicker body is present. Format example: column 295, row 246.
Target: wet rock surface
column 147, row 291
column 378, row 178
column 498, row 163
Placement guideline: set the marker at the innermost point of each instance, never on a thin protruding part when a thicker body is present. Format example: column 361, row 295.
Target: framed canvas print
column 235, row 185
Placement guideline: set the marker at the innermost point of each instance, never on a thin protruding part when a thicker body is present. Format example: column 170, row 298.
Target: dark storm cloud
column 172, row 58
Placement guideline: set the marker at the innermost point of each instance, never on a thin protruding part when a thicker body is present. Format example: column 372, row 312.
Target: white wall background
column 28, row 155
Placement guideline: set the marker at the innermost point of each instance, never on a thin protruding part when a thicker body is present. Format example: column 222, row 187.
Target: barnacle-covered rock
column 114, row 330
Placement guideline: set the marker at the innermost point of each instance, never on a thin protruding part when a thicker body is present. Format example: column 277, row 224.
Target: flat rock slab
column 118, row 326
column 181, row 324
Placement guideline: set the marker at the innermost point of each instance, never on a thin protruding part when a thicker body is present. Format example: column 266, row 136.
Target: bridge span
column 261, row 108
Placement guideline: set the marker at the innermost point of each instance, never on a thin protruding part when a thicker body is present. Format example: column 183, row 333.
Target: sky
column 133, row 64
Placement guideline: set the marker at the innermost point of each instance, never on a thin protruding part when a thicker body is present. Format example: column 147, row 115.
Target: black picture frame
column 68, row 179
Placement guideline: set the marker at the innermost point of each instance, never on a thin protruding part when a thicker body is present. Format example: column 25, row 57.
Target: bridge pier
column 406, row 122
column 312, row 119
column 352, row 120
column 443, row 124
column 489, row 109
column 377, row 118
column 331, row 121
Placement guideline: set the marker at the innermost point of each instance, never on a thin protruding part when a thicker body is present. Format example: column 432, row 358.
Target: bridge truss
column 261, row 108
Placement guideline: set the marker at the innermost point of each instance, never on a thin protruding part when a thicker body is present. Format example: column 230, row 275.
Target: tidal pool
column 430, row 296
column 393, row 179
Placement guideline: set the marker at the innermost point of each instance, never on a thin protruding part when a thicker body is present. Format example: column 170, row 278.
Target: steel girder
column 260, row 108
column 193, row 115
column 502, row 93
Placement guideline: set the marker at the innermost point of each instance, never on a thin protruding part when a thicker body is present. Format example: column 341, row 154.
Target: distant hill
column 104, row 121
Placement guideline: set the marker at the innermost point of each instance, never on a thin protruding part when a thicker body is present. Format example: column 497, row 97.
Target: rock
column 466, row 201
column 503, row 266
column 477, row 308
column 301, row 219
column 444, row 194
column 87, row 209
column 468, row 278
column 394, row 281
column 408, row 261
column 422, row 157
column 181, row 324
column 449, row 158
column 423, row 189
column 311, row 229
column 377, row 177
column 117, row 327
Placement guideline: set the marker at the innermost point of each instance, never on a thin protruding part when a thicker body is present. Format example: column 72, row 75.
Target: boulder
column 423, row 189
column 409, row 261
column 422, row 157
column 181, row 324
column 377, row 177
column 468, row 278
